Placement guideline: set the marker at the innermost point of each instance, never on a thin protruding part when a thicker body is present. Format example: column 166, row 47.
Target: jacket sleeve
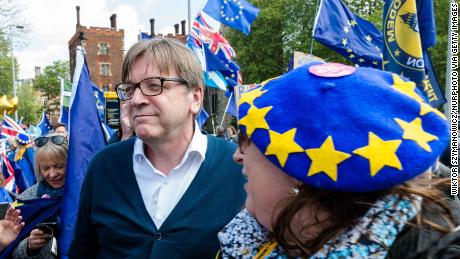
column 84, row 243
column 20, row 252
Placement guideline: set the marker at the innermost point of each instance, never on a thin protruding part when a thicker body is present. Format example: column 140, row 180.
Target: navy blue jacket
column 114, row 223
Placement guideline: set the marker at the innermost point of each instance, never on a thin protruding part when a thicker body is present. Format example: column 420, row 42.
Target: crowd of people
column 329, row 161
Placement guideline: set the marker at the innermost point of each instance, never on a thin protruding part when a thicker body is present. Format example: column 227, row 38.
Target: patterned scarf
column 369, row 238
column 45, row 190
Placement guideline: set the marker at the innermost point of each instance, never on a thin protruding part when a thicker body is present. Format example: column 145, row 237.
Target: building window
column 105, row 69
column 103, row 48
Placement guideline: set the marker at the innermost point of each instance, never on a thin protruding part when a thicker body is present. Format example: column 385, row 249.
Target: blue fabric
column 114, row 223
column 236, row 14
column 44, row 124
column 5, row 196
column 64, row 118
column 33, row 212
column 202, row 117
column 86, row 137
column 333, row 27
column 231, row 103
column 348, row 110
column 408, row 30
column 26, row 166
column 144, row 36
column 426, row 23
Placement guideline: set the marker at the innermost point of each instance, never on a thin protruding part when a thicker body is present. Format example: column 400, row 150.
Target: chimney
column 38, row 71
column 176, row 28
column 183, row 27
column 152, row 27
column 78, row 17
column 113, row 21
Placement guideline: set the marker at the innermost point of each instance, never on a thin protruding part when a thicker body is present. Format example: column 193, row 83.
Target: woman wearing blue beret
column 337, row 160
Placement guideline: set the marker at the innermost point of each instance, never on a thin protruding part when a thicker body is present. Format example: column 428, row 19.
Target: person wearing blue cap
column 336, row 159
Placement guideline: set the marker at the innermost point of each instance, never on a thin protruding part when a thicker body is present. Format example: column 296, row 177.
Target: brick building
column 104, row 52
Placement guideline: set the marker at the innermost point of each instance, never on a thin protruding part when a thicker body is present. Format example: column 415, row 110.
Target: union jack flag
column 202, row 32
column 9, row 127
column 8, row 173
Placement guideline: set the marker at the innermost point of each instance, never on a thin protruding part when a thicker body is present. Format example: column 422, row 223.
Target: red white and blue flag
column 9, row 127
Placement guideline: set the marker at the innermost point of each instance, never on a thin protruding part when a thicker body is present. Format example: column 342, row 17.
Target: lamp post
column 12, row 65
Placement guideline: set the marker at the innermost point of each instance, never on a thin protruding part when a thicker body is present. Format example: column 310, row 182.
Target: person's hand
column 38, row 239
column 10, row 227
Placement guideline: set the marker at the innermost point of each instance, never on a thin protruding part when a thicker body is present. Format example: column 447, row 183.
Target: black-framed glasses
column 57, row 140
column 149, row 86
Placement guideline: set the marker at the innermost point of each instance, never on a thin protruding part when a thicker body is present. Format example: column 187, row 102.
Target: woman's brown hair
column 345, row 209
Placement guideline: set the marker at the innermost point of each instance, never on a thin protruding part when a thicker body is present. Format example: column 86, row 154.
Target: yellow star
column 345, row 29
column 375, row 63
column 255, row 119
column 414, row 131
column 352, row 23
column 397, row 52
column 351, row 56
column 349, row 50
column 380, row 153
column 16, row 204
column 407, row 88
column 344, row 42
column 281, row 145
column 426, row 108
column 369, row 38
column 249, row 97
column 325, row 159
column 361, row 60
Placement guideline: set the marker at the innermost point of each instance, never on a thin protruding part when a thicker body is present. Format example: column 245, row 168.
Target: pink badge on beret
column 331, row 70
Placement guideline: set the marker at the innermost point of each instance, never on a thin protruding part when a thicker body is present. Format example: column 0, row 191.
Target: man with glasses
column 168, row 191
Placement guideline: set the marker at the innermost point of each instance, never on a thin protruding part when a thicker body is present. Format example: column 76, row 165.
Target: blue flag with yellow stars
column 236, row 14
column 408, row 29
column 341, row 30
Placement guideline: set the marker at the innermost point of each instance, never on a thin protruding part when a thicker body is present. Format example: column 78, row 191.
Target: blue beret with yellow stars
column 23, row 138
column 342, row 128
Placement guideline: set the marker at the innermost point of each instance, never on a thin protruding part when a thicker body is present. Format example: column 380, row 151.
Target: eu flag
column 86, row 137
column 236, row 14
column 44, row 124
column 348, row 34
column 408, row 29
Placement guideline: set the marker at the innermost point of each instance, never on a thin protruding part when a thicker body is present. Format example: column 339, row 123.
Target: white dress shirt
column 161, row 192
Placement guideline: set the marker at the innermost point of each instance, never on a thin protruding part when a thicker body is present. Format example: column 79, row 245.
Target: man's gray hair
column 169, row 55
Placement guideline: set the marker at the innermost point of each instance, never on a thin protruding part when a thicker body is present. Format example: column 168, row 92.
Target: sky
column 51, row 23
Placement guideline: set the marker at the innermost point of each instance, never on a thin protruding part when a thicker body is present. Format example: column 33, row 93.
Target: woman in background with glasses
column 50, row 168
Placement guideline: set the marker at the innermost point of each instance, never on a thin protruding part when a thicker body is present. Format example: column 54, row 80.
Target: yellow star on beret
column 380, row 153
column 281, row 145
column 255, row 119
column 325, row 159
column 414, row 131
column 249, row 97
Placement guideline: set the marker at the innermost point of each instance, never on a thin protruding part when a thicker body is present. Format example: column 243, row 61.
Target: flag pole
column 189, row 14
column 226, row 108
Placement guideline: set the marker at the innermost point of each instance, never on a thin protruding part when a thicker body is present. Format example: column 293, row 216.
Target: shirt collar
column 198, row 145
